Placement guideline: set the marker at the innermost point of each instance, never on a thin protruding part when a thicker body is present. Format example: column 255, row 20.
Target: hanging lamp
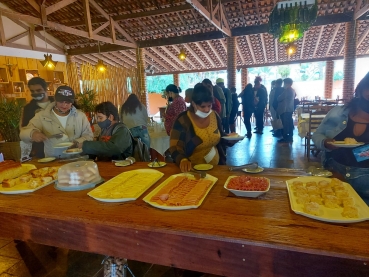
column 48, row 63
column 100, row 66
column 182, row 54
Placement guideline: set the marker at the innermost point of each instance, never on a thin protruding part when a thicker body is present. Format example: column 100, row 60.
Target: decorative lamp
column 291, row 49
column 182, row 55
column 48, row 63
column 100, row 66
column 290, row 19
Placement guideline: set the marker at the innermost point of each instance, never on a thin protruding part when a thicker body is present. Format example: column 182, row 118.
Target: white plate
column 344, row 145
column 155, row 164
column 46, row 160
column 245, row 193
column 122, row 163
column 329, row 215
column 141, row 184
column 63, row 145
column 203, row 167
column 257, row 170
column 177, row 208
column 72, row 153
column 22, row 188
column 234, row 138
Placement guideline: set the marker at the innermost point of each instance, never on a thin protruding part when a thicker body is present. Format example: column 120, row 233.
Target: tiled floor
column 33, row 260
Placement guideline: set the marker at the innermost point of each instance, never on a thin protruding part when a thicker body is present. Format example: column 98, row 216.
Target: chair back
column 315, row 119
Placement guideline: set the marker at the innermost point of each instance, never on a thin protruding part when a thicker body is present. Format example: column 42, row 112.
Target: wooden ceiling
column 163, row 27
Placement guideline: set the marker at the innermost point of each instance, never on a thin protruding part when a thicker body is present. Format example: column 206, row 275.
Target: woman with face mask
column 342, row 122
column 196, row 134
column 115, row 140
column 178, row 105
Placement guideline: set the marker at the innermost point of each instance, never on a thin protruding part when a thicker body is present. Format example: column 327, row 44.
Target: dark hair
column 248, row 86
column 201, row 94
column 173, row 88
column 233, row 89
column 273, row 82
column 38, row 81
column 362, row 85
column 107, row 108
column 207, row 81
column 288, row 81
column 279, row 81
column 132, row 102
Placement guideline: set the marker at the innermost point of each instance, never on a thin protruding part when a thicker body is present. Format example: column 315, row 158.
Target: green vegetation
column 10, row 116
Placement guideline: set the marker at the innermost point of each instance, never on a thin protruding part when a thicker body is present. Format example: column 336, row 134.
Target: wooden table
column 227, row 235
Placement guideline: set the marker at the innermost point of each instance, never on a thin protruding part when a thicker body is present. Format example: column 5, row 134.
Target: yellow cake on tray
column 11, row 169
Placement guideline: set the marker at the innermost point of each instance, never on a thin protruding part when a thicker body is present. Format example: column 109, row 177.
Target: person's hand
column 185, row 165
column 329, row 145
column 37, row 136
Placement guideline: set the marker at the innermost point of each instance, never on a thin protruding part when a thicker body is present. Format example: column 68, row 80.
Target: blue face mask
column 104, row 124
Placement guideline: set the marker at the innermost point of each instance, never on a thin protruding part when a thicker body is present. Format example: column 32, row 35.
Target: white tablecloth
column 159, row 141
column 303, row 123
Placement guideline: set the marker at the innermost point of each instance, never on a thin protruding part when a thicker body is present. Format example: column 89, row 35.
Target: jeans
column 259, row 118
column 246, row 118
column 225, row 123
column 287, row 123
column 141, row 132
column 357, row 177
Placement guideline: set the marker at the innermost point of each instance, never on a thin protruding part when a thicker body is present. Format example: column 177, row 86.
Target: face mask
column 170, row 99
column 104, row 124
column 202, row 114
column 38, row 96
column 60, row 111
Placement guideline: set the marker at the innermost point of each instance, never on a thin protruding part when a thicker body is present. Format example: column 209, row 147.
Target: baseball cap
column 258, row 78
column 64, row 93
column 219, row 80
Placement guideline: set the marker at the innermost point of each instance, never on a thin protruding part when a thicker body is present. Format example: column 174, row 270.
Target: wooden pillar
column 231, row 61
column 349, row 62
column 328, row 84
column 141, row 76
column 71, row 59
column 176, row 79
column 244, row 76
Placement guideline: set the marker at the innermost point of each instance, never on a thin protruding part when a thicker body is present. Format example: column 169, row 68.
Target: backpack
column 140, row 152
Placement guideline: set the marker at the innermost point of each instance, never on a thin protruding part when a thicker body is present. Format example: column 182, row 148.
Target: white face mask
column 202, row 114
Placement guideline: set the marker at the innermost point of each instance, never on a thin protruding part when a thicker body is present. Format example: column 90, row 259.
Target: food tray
column 176, row 208
column 22, row 188
column 127, row 186
column 329, row 215
column 245, row 193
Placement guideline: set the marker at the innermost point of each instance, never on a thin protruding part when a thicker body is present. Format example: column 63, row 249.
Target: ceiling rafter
column 131, row 59
column 124, row 58
column 203, row 51
column 157, row 52
column 333, row 38
column 251, row 50
column 193, row 53
column 239, row 52
column 102, row 27
column 21, row 35
column 155, row 59
column 59, row 5
column 113, row 59
column 158, row 27
column 209, row 16
column 222, row 42
column 104, row 59
column 82, row 58
column 242, row 14
column 263, row 46
column 276, row 49
column 318, row 41
column 187, row 59
column 363, row 37
column 87, row 16
column 34, row 5
column 170, row 54
column 91, row 58
column 361, row 11
column 215, row 52
column 302, row 45
column 2, row 32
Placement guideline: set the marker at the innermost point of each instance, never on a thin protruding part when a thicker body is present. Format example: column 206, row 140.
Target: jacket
column 263, row 98
column 332, row 124
column 78, row 128
column 116, row 145
column 219, row 94
column 183, row 139
column 247, row 96
column 286, row 101
column 228, row 97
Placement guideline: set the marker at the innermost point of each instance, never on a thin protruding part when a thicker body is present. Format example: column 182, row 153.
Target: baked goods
column 350, row 212
column 350, row 141
column 78, row 174
column 11, row 169
column 313, row 208
column 73, row 150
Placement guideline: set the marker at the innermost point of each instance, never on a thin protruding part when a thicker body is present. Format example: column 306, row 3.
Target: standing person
column 59, row 117
column 134, row 115
column 114, row 141
column 217, row 94
column 234, row 111
column 188, row 95
column 228, row 103
column 260, row 101
column 248, row 107
column 273, row 112
column 39, row 102
column 178, row 105
column 277, row 92
column 285, row 109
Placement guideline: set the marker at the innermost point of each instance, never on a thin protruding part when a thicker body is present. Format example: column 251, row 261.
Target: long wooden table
column 227, row 235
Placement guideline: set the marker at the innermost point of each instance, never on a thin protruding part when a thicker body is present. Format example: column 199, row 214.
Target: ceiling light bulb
column 182, row 55
column 48, row 63
column 100, row 66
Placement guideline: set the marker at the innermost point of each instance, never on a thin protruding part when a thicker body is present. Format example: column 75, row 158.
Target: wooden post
column 176, row 79
column 141, row 76
column 328, row 84
column 231, row 61
column 244, row 76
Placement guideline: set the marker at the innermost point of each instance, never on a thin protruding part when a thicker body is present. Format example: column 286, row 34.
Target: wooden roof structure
column 163, row 27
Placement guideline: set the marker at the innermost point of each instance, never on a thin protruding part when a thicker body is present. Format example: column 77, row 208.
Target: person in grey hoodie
column 285, row 109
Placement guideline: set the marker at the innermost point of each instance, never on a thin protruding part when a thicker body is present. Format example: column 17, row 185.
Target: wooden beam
column 15, row 38
column 41, row 36
column 201, row 9
column 116, row 25
column 43, row 15
column 187, row 60
column 102, row 27
column 276, row 49
column 87, row 15
column 155, row 59
column 124, row 59
column 302, row 46
column 193, row 53
column 222, row 42
column 333, row 39
column 239, row 52
column 224, row 19
column 361, row 12
column 243, row 15
column 2, row 32
column 363, row 37
column 198, row 44
column 34, row 5
column 112, row 30
column 111, row 59
column 157, row 52
column 251, row 50
column 318, row 40
column 28, row 47
column 174, row 57
column 263, row 46
column 59, row 5
column 32, row 39
column 215, row 52
column 85, row 59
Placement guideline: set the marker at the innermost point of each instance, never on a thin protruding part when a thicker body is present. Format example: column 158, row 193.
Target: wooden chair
column 315, row 119
column 306, row 105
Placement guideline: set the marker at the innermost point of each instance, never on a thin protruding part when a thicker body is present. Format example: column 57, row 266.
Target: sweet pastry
column 11, row 169
column 73, row 150
column 331, row 202
column 348, row 201
column 350, row 212
column 350, row 141
column 78, row 174
column 313, row 208
column 316, row 199
column 9, row 183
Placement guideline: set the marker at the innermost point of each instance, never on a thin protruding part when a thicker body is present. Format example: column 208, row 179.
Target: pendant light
column 48, row 63
column 182, row 54
column 100, row 66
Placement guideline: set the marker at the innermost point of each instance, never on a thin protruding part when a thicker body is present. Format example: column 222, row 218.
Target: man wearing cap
column 59, row 117
column 260, row 101
column 228, row 104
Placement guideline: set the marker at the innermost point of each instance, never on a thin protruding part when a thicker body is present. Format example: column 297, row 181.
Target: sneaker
column 258, row 132
column 249, row 135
